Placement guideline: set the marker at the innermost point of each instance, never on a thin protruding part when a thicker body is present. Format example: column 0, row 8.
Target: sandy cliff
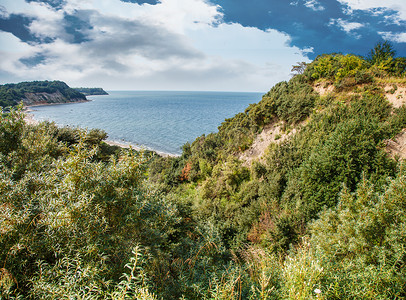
column 47, row 98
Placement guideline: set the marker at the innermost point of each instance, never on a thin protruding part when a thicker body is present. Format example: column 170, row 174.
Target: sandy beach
column 29, row 117
column 138, row 148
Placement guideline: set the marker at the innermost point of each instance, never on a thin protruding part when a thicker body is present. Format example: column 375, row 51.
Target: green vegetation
column 91, row 91
column 11, row 94
column 322, row 215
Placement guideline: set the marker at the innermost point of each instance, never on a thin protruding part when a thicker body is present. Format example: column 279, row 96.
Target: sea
column 162, row 121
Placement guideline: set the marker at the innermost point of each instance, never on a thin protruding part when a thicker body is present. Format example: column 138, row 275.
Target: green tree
column 382, row 54
column 299, row 68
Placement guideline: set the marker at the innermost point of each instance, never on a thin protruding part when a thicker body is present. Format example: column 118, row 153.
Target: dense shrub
column 360, row 244
column 60, row 204
column 319, row 216
column 11, row 94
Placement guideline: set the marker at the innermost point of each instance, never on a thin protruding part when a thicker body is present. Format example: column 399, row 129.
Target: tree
column 382, row 55
column 299, row 68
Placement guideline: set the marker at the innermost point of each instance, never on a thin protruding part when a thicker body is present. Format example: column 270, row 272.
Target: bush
column 361, row 243
column 62, row 207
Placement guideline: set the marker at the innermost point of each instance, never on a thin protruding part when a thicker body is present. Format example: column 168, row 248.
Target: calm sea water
column 156, row 120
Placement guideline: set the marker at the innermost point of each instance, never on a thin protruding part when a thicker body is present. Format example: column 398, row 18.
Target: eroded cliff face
column 48, row 98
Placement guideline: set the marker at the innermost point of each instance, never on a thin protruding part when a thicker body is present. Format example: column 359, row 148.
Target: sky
column 199, row 45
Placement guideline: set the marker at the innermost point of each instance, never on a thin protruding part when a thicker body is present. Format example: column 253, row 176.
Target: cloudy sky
column 229, row 45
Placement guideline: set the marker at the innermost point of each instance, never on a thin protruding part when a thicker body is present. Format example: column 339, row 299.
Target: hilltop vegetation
column 38, row 92
column 91, row 91
column 320, row 214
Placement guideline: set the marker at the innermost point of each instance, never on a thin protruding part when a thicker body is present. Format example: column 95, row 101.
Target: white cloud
column 105, row 7
column 174, row 15
column 314, row 5
column 379, row 6
column 47, row 22
column 3, row 12
column 394, row 37
column 180, row 15
column 267, row 52
column 16, row 6
column 350, row 26
column 114, row 35
column 396, row 5
column 345, row 25
column 11, row 51
column 12, row 45
column 171, row 45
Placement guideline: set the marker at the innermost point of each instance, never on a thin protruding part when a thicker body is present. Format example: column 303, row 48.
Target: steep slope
column 320, row 215
column 309, row 161
column 397, row 146
column 38, row 92
column 272, row 133
column 91, row 91
column 290, row 155
column 395, row 94
column 49, row 98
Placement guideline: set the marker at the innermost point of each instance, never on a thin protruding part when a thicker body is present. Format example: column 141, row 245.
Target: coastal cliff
column 48, row 98
column 301, row 196
column 91, row 91
column 38, row 93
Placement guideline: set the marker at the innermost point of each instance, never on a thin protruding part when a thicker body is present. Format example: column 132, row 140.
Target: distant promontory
column 91, row 91
column 38, row 93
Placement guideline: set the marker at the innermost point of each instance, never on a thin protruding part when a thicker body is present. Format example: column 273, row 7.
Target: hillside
column 272, row 133
column 271, row 171
column 301, row 196
column 38, row 92
column 91, row 91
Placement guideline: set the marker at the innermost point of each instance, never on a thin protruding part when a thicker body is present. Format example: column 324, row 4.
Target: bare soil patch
column 397, row 97
column 324, row 88
column 397, row 146
column 272, row 133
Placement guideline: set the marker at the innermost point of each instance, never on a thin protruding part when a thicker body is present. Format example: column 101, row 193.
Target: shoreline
column 29, row 119
column 138, row 148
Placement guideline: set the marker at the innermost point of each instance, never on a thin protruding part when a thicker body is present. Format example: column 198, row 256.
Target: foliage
column 11, row 94
column 349, row 150
column 70, row 279
column 272, row 202
column 342, row 138
column 321, row 215
column 361, row 243
column 60, row 204
column 91, row 91
column 345, row 71
column 382, row 57
column 292, row 101
column 299, row 68
column 301, row 273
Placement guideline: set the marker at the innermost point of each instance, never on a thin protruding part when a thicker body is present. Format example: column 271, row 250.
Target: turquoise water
column 155, row 120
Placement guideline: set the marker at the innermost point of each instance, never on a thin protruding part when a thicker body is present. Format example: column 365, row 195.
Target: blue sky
column 230, row 45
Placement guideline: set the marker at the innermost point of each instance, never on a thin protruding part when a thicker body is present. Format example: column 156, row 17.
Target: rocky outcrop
column 48, row 98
